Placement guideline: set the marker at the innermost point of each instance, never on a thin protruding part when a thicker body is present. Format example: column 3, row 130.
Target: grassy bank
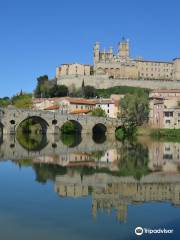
column 106, row 93
column 160, row 134
column 166, row 134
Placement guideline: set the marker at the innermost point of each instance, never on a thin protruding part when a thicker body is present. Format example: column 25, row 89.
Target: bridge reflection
column 115, row 174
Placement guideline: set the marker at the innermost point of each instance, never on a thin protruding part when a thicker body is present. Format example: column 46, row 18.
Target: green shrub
column 68, row 127
column 120, row 134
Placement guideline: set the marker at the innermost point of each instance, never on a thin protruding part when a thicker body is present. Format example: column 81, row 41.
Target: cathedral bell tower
column 123, row 49
column 96, row 52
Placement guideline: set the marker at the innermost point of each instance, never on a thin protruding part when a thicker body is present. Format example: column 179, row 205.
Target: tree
column 68, row 127
column 134, row 111
column 42, row 87
column 4, row 102
column 89, row 91
column 98, row 112
column 22, row 101
column 58, row 91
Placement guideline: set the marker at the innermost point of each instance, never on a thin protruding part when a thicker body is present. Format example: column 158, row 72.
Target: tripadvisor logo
column 139, row 231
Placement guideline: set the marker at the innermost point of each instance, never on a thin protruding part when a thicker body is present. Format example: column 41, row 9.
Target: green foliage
column 120, row 135
column 42, row 87
column 48, row 88
column 22, row 101
column 98, row 112
column 58, row 91
column 134, row 111
column 5, row 101
column 106, row 93
column 172, row 135
column 69, row 128
column 89, row 92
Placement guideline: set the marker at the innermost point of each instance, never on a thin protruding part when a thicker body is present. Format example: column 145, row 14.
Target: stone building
column 164, row 109
column 121, row 65
column 74, row 69
column 76, row 105
column 117, row 68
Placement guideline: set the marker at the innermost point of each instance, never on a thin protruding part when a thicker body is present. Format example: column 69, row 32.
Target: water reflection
column 32, row 142
column 113, row 173
column 112, row 192
column 71, row 140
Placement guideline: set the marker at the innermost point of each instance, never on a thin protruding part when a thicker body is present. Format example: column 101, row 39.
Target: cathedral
column 116, row 68
column 121, row 65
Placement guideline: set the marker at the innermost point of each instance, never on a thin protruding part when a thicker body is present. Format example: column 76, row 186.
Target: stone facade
column 74, row 69
column 121, row 65
column 164, row 109
column 103, row 81
column 120, row 69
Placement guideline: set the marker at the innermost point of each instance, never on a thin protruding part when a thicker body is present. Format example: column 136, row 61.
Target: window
column 168, row 121
column 168, row 114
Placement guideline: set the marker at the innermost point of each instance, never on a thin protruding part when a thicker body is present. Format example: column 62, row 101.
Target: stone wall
column 104, row 82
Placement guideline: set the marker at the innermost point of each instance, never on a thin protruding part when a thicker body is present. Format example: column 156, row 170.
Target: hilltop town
column 137, row 91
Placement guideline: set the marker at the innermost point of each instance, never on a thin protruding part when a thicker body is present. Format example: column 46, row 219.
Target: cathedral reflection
column 111, row 192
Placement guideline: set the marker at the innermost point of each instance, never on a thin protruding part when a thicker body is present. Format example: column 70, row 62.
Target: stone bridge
column 51, row 122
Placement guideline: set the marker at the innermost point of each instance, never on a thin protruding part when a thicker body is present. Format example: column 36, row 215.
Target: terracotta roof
column 79, row 111
column 82, row 101
column 55, row 107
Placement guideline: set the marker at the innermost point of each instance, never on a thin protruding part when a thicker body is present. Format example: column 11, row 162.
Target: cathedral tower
column 123, row 48
column 96, row 52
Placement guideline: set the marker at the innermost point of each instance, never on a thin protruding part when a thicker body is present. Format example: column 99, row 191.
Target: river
column 75, row 188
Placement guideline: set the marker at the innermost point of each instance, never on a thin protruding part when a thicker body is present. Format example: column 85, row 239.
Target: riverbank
column 165, row 134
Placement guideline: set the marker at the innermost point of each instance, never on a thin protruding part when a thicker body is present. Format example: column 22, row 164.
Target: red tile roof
column 79, row 111
column 55, row 107
column 82, row 101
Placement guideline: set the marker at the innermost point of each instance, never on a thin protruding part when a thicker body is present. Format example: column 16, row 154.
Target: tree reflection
column 134, row 160
column 32, row 142
column 71, row 140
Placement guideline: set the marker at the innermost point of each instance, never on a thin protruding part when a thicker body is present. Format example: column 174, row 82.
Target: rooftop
column 78, row 111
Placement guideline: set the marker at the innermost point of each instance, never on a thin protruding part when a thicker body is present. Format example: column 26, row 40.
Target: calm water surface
column 74, row 188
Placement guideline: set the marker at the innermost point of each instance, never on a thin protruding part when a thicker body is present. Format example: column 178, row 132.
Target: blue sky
column 38, row 35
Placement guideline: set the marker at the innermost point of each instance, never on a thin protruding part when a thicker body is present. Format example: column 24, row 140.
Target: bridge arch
column 34, row 120
column 71, row 124
column 99, row 132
